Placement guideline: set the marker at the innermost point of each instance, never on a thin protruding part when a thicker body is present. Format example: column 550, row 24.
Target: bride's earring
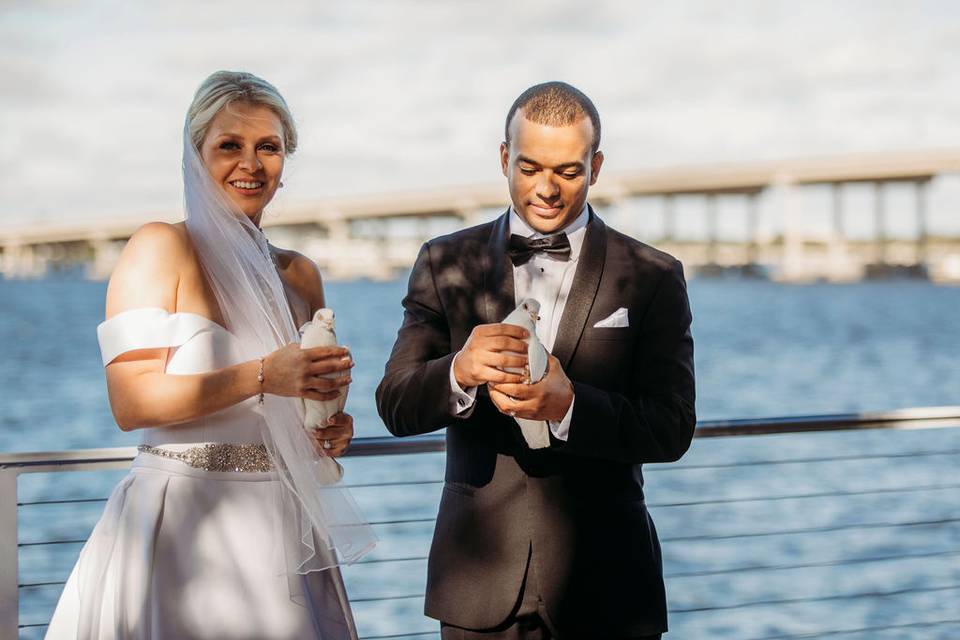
column 281, row 184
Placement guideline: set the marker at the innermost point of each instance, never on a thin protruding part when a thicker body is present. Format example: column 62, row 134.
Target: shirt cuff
column 461, row 401
column 561, row 430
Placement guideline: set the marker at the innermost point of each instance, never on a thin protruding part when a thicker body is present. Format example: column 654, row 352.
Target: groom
column 551, row 542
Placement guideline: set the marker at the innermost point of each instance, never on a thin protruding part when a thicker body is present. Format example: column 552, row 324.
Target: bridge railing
column 396, row 604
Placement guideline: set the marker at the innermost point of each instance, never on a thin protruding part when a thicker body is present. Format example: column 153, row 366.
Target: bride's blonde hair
column 223, row 88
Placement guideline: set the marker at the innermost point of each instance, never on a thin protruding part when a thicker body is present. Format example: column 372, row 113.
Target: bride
column 231, row 522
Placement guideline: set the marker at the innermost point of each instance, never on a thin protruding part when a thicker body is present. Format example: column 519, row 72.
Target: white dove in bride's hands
column 319, row 332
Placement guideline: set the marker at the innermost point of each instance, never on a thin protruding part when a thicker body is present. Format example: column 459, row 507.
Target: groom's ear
column 504, row 158
column 595, row 165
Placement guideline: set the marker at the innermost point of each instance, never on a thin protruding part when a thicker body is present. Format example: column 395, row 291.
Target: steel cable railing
column 783, row 567
column 857, row 526
column 692, row 503
column 676, row 574
column 669, row 575
column 817, row 634
column 842, row 632
column 835, row 596
column 648, row 470
column 944, row 417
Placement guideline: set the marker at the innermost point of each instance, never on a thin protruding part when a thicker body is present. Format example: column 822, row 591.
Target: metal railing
column 13, row 465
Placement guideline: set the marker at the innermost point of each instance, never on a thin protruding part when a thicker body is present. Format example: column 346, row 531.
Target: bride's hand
column 338, row 433
column 292, row 371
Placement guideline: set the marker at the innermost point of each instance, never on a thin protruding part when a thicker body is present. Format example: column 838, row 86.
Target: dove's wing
column 512, row 318
column 536, row 359
column 317, row 335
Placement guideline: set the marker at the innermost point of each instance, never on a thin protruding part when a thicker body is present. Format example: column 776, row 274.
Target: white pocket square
column 619, row 318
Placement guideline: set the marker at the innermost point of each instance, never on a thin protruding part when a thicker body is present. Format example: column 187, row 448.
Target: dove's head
column 324, row 317
column 532, row 307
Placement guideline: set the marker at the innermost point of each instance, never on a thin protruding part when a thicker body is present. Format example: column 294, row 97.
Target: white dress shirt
column 547, row 279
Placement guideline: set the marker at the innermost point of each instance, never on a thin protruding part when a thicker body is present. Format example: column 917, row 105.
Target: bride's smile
column 244, row 153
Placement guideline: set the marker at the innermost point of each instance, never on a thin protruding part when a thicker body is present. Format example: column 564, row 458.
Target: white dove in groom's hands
column 491, row 351
column 526, row 315
column 546, row 392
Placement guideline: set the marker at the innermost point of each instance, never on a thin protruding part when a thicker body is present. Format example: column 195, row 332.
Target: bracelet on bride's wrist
column 260, row 380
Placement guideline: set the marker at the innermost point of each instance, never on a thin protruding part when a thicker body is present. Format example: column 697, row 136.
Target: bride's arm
column 148, row 274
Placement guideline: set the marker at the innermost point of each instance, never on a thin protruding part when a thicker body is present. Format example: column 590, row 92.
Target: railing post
column 9, row 573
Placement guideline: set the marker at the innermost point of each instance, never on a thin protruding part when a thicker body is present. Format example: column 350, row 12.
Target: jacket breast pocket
column 604, row 355
column 606, row 333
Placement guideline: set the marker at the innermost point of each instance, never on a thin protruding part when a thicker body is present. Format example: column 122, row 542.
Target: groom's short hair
column 555, row 104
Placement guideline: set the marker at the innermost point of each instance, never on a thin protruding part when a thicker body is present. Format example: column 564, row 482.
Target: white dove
column 320, row 333
column 535, row 432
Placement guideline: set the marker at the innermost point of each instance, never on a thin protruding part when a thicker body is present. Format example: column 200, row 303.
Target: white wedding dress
column 180, row 552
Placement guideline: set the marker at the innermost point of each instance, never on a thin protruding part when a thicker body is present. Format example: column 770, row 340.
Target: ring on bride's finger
column 512, row 414
column 326, row 444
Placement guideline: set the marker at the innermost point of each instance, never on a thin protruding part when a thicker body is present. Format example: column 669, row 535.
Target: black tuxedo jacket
column 574, row 510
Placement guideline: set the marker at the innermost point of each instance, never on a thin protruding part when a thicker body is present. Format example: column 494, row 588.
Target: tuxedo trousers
column 527, row 621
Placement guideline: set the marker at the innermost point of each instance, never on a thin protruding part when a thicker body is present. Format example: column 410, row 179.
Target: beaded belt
column 218, row 457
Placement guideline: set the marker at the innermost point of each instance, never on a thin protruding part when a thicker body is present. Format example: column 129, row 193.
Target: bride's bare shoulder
column 149, row 268
column 162, row 237
column 303, row 275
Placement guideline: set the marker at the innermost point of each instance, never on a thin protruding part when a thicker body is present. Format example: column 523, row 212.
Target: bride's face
column 243, row 152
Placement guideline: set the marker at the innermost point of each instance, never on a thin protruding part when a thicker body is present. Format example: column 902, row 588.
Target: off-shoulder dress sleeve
column 147, row 328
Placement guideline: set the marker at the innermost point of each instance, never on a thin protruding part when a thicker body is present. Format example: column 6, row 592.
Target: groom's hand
column 548, row 399
column 490, row 348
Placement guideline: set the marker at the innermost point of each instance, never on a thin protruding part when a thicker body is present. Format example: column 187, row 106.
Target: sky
column 411, row 94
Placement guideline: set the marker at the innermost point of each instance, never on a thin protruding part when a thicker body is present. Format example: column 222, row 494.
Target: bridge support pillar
column 471, row 216
column 669, row 227
column 105, row 256
column 838, row 252
column 338, row 229
column 880, row 222
column 22, row 261
column 920, row 193
column 622, row 212
column 753, row 230
column 712, row 232
column 792, row 266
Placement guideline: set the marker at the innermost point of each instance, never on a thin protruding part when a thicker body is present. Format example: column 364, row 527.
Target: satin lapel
column 583, row 291
column 499, row 297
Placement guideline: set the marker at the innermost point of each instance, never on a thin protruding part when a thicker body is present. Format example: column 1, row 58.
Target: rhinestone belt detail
column 218, row 457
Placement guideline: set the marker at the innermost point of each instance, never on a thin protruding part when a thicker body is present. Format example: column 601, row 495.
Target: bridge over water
column 377, row 236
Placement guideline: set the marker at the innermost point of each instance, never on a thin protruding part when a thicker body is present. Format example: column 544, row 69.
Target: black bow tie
column 522, row 249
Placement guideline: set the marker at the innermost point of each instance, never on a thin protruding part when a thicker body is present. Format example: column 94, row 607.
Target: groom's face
column 549, row 170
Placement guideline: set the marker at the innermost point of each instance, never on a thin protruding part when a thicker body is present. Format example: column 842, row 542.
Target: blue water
column 761, row 350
